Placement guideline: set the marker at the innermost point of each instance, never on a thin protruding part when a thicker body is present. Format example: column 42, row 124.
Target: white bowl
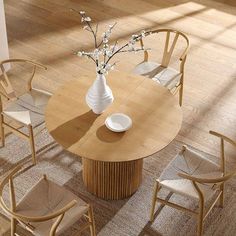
column 118, row 122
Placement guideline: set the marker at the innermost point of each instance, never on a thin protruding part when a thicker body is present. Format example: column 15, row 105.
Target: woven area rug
column 128, row 217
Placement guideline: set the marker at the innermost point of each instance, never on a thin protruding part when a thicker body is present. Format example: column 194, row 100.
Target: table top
column 155, row 113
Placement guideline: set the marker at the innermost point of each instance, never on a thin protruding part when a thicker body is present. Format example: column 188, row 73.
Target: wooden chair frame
column 168, row 51
column 26, row 220
column 10, row 95
column 202, row 213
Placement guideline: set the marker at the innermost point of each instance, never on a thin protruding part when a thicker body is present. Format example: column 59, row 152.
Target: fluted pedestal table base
column 112, row 180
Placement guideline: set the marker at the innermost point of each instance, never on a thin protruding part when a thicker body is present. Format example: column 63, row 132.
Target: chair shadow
column 154, row 72
column 73, row 130
column 148, row 230
column 26, row 161
column 7, row 166
column 104, row 210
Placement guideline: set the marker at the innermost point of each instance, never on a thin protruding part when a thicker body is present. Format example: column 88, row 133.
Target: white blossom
column 87, row 18
column 80, row 54
column 134, row 36
column 105, row 46
column 109, row 53
column 86, row 27
column 98, row 69
column 96, row 53
column 131, row 45
column 109, row 67
column 105, row 40
column 132, row 42
column 103, row 71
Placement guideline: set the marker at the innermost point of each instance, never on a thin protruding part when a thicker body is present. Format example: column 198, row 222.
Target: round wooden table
column 112, row 162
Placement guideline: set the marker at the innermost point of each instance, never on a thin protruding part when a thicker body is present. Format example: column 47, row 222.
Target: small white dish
column 118, row 122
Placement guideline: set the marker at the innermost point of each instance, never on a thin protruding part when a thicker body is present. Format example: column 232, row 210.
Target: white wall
column 4, row 53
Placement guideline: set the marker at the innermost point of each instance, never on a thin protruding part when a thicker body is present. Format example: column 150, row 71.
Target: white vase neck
column 100, row 76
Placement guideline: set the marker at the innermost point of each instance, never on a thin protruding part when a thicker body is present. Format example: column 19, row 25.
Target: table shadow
column 73, row 130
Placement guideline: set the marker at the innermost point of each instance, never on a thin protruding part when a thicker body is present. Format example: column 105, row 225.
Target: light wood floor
column 45, row 30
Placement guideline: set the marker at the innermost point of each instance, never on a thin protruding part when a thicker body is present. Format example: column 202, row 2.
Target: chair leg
column 222, row 195
column 13, row 226
column 2, row 131
column 200, row 217
column 181, row 95
column 154, row 200
column 31, row 139
column 91, row 221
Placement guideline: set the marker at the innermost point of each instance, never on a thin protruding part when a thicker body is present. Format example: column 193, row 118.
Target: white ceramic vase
column 99, row 95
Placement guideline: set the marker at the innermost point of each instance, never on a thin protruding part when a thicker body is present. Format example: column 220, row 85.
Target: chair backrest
column 169, row 46
column 5, row 82
column 226, row 176
column 11, row 211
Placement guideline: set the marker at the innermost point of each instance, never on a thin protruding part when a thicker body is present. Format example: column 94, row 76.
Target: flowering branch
column 88, row 26
column 103, row 49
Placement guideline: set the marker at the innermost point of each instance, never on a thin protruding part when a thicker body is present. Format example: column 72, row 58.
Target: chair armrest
column 37, row 64
column 12, row 173
column 24, row 60
column 183, row 56
column 207, row 180
column 5, row 180
column 227, row 139
column 41, row 218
